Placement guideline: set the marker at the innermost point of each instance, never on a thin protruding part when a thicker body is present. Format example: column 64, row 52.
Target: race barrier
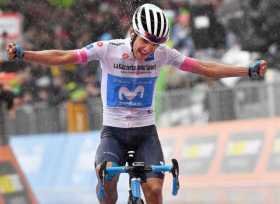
column 220, row 163
column 77, row 117
column 230, row 162
column 60, row 167
column 13, row 185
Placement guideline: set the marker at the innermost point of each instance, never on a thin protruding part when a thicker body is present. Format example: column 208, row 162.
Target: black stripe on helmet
column 144, row 20
column 159, row 24
column 152, row 18
column 135, row 18
column 165, row 26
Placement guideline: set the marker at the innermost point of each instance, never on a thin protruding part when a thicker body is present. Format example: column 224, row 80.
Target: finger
column 262, row 70
column 11, row 56
column 263, row 65
column 10, row 45
column 261, row 73
column 11, row 51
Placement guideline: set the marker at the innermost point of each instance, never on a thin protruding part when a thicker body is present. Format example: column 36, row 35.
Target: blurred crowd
column 49, row 26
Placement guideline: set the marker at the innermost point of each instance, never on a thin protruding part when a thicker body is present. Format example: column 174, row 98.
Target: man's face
column 143, row 48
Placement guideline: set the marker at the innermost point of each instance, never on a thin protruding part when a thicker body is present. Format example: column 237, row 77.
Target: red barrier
column 13, row 185
column 241, row 158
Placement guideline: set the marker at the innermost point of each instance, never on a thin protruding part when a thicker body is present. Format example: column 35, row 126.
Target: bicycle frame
column 136, row 171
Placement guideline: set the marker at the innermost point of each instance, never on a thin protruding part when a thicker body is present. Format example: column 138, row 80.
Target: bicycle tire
column 139, row 201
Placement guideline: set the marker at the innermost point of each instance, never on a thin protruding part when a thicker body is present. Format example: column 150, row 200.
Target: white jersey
column 128, row 86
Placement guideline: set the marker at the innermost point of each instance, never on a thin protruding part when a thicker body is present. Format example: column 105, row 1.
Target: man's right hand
column 11, row 51
column 14, row 51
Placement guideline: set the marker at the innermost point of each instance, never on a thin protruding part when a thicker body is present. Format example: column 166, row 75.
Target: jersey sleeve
column 93, row 51
column 173, row 57
column 176, row 59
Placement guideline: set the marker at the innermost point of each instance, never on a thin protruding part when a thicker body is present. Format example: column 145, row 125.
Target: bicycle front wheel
column 138, row 201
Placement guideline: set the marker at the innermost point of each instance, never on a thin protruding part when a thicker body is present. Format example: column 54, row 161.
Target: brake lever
column 102, row 172
column 175, row 174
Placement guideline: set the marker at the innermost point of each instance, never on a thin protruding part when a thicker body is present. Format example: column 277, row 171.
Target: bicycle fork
column 134, row 182
column 135, row 187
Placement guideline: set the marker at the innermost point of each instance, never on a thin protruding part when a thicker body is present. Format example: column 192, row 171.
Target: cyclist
column 129, row 70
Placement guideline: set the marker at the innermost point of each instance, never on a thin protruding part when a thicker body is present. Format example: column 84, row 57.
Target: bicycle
column 136, row 172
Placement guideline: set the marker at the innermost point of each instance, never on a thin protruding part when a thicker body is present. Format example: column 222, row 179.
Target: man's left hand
column 257, row 69
column 263, row 67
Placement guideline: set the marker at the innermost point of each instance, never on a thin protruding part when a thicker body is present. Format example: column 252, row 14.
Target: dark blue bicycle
column 136, row 172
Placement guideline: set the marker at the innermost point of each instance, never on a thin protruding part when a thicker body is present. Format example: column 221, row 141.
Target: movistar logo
column 125, row 93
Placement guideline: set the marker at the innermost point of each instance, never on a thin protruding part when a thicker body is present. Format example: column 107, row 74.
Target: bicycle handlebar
column 115, row 170
column 127, row 169
column 140, row 167
column 161, row 168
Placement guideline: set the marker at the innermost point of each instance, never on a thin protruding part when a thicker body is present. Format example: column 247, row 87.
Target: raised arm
column 48, row 57
column 218, row 70
column 51, row 57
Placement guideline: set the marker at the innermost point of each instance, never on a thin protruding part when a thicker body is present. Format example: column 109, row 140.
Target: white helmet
column 150, row 23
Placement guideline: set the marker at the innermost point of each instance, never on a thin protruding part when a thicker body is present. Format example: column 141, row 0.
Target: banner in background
column 227, row 162
column 11, row 23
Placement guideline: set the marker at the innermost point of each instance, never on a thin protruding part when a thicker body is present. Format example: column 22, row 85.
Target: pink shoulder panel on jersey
column 81, row 56
column 189, row 64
